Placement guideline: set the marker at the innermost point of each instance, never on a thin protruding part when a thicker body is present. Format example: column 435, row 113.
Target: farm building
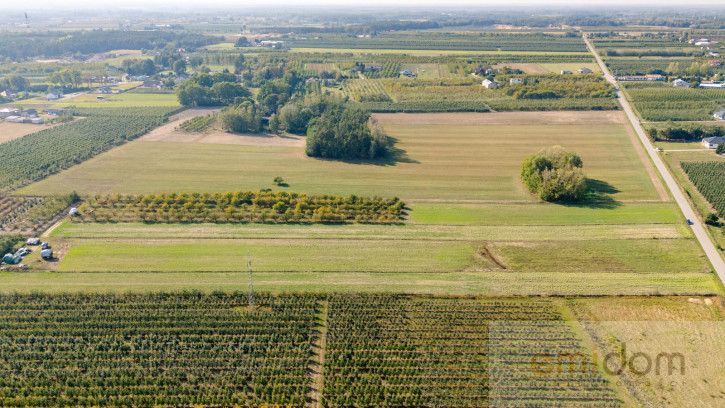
column 585, row 70
column 716, row 63
column 5, row 112
column 680, row 83
column 564, row 72
column 714, row 54
column 489, row 84
column 407, row 73
column 58, row 112
column 719, row 114
column 712, row 85
column 483, row 71
column 516, row 81
column 14, row 119
column 9, row 94
column 52, row 96
column 713, row 142
column 152, row 83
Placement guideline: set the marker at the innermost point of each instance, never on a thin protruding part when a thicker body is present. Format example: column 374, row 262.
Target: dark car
column 690, row 222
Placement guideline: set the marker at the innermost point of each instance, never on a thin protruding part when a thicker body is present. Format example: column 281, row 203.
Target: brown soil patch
column 503, row 118
column 528, row 68
column 10, row 131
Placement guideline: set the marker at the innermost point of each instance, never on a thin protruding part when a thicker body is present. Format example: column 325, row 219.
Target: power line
column 251, row 286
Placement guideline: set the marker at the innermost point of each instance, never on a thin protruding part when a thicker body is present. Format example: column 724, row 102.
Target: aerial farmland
column 313, row 210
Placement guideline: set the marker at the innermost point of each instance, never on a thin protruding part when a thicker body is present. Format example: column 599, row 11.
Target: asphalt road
column 712, row 253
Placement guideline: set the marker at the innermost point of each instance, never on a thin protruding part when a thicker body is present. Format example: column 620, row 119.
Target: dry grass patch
column 503, row 118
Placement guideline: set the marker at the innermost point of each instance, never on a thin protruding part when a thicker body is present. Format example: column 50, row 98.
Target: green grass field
column 469, row 162
column 471, row 227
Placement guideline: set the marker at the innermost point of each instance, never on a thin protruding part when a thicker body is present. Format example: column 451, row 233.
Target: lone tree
column 554, row 174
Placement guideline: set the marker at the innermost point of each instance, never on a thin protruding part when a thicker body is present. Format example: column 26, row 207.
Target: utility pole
column 251, row 286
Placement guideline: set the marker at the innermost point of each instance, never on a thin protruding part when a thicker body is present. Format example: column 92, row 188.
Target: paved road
column 712, row 253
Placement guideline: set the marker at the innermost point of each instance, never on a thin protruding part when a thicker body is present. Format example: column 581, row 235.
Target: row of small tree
column 241, row 206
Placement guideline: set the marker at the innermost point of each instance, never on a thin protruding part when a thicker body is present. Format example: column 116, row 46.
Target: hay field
column 432, row 161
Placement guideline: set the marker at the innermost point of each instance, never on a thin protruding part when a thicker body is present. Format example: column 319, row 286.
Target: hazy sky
column 172, row 5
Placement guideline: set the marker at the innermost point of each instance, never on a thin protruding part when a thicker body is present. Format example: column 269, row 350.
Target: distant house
column 716, row 63
column 152, row 83
column 487, row 83
column 58, row 112
column 719, row 114
column 703, row 42
column 714, row 54
column 680, row 83
column 5, row 112
column 104, row 90
column 29, row 113
column 565, row 72
column 271, row 43
column 713, row 142
column 516, row 81
column 483, row 71
column 585, row 70
column 655, row 77
column 407, row 73
column 311, row 80
column 14, row 119
column 53, row 96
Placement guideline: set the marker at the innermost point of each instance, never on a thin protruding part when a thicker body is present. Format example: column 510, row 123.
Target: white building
column 713, row 142
column 712, row 85
column 489, row 84
column 719, row 115
column 585, row 70
column 681, row 83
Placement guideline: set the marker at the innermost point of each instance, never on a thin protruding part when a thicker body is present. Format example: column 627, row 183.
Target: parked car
column 23, row 266
column 690, row 222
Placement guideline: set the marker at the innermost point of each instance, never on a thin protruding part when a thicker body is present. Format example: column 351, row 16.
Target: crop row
column 398, row 352
column 171, row 350
column 50, row 150
column 709, row 178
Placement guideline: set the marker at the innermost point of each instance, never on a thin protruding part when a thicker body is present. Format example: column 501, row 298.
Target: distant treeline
column 19, row 46
column 690, row 132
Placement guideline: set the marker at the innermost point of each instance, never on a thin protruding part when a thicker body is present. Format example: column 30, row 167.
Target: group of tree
column 66, row 78
column 139, row 66
column 344, row 131
column 241, row 206
column 685, row 132
column 537, row 87
column 19, row 46
column 14, row 82
column 218, row 89
column 244, row 118
column 554, row 174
